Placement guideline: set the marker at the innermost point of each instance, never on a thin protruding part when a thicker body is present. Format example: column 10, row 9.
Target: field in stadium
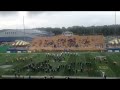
column 57, row 64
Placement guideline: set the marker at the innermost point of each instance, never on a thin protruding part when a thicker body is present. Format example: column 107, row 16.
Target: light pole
column 115, row 23
column 23, row 14
column 93, row 29
column 24, row 27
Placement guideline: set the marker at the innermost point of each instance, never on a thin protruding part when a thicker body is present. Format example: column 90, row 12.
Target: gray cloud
column 7, row 13
column 35, row 13
column 13, row 13
column 11, row 19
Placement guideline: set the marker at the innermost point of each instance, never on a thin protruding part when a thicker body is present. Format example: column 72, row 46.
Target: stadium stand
column 68, row 42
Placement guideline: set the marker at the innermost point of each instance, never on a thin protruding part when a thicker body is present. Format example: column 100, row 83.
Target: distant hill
column 106, row 30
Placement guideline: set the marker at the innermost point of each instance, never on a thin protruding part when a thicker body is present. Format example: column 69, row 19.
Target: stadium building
column 16, row 50
column 10, row 35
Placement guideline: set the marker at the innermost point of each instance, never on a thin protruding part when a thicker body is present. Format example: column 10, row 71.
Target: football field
column 81, row 64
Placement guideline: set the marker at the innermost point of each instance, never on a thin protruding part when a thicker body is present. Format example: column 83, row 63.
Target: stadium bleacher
column 73, row 43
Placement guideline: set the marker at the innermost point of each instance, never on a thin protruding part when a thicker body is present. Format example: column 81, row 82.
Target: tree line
column 106, row 30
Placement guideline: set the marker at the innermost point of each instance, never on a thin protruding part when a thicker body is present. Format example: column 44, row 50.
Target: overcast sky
column 33, row 19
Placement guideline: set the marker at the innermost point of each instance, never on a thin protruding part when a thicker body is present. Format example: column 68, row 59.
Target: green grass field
column 82, row 64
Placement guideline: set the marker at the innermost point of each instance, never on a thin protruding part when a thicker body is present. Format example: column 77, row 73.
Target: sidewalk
column 53, row 77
